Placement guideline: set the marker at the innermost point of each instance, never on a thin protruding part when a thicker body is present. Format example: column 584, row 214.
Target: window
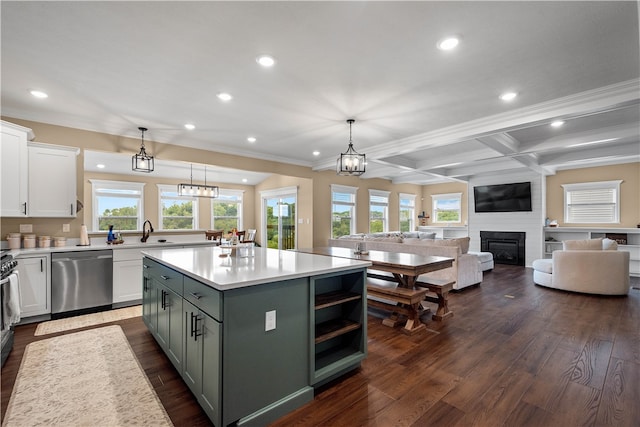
column 117, row 203
column 227, row 210
column 343, row 210
column 407, row 212
column 592, row 202
column 447, row 207
column 176, row 212
column 378, row 211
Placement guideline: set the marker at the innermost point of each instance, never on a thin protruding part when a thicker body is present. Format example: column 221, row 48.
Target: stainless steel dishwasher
column 81, row 280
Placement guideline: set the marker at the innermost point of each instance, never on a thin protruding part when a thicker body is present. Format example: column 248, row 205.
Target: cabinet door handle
column 144, row 284
column 25, row 207
column 195, row 295
column 163, row 303
column 191, row 334
column 71, row 210
column 41, row 266
column 196, row 334
column 165, row 277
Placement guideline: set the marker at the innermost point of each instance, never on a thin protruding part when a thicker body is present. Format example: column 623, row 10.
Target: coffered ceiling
column 423, row 115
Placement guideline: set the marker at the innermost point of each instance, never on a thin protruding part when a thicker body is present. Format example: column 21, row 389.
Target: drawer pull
column 196, row 296
column 165, row 277
column 145, row 266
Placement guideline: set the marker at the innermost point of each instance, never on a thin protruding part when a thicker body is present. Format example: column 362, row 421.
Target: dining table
column 402, row 286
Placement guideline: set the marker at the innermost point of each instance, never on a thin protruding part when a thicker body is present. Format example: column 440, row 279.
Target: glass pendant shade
column 142, row 162
column 351, row 163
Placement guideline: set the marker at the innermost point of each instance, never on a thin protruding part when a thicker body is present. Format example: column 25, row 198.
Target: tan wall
column 322, row 207
column 445, row 188
column 629, row 173
column 314, row 193
column 304, row 206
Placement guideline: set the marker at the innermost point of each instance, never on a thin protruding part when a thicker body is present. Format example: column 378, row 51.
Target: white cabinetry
column 14, row 175
column 52, row 181
column 35, row 285
column 127, row 273
column 553, row 237
column 36, row 180
column 445, row 232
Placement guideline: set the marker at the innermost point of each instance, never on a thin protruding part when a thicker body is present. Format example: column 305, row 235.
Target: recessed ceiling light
column 557, row 123
column 316, row 153
column 448, row 43
column 190, row 126
column 225, row 96
column 39, row 94
column 252, row 139
column 244, row 180
column 508, row 96
column 266, row 60
column 100, row 166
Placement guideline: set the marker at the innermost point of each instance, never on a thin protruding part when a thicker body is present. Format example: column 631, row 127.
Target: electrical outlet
column 270, row 320
column 26, row 228
column 66, row 228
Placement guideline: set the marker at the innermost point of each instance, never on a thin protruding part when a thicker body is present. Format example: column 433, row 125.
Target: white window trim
column 118, row 185
column 436, row 197
column 230, row 192
column 280, row 193
column 412, row 197
column 336, row 188
column 615, row 184
column 380, row 193
column 174, row 189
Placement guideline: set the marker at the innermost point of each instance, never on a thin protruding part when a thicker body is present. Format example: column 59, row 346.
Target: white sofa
column 593, row 266
column 466, row 270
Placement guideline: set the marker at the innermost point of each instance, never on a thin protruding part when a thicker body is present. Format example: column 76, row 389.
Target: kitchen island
column 252, row 336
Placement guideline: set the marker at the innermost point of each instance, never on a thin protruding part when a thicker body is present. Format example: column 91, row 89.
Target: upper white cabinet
column 14, row 175
column 52, row 181
column 37, row 180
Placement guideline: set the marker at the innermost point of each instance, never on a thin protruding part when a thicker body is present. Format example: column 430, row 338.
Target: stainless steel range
column 9, row 302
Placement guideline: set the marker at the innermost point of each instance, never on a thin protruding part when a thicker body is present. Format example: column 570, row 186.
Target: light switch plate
column 26, row 228
column 270, row 320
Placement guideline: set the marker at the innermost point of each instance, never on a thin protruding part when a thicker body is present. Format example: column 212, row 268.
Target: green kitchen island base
column 253, row 353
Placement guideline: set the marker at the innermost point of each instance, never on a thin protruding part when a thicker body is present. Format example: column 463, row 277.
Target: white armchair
column 592, row 271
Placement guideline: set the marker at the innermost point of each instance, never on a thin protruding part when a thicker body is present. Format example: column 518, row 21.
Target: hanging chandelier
column 142, row 162
column 351, row 163
column 199, row 190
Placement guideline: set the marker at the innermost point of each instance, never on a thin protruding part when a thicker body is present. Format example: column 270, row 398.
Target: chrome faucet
column 145, row 234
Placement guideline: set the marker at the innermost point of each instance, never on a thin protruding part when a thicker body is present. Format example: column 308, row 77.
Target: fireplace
column 507, row 247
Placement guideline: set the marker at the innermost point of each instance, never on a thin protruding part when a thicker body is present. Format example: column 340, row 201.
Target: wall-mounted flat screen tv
column 515, row 197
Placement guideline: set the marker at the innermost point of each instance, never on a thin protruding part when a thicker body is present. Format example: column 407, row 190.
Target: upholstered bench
column 486, row 260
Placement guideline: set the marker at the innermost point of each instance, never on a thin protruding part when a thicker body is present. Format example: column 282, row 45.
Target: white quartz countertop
column 267, row 265
column 130, row 244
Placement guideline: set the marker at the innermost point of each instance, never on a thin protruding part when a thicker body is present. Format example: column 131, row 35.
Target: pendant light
column 351, row 163
column 197, row 190
column 142, row 162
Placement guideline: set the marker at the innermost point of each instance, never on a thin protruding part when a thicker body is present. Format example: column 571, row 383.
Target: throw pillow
column 410, row 235
column 425, row 235
column 609, row 245
column 582, row 245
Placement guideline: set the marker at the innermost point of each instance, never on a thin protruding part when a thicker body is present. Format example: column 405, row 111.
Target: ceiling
column 422, row 115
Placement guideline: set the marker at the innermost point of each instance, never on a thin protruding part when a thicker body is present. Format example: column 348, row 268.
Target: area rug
column 84, row 320
column 87, row 378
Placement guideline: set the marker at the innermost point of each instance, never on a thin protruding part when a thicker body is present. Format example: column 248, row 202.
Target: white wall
column 529, row 222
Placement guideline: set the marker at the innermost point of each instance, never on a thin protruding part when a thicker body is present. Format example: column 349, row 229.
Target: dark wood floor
column 514, row 354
